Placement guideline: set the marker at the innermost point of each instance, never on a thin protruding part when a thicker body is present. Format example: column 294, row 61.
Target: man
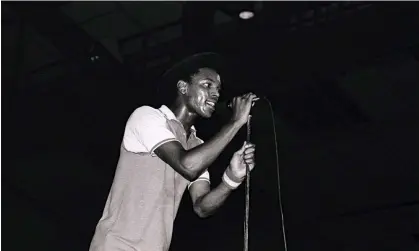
column 161, row 156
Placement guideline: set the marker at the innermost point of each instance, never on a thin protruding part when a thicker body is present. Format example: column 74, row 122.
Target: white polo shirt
column 145, row 195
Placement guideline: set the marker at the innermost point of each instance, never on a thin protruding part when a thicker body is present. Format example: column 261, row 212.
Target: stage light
column 246, row 14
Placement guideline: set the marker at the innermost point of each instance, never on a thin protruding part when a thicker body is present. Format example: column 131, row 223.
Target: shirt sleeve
column 146, row 129
column 204, row 177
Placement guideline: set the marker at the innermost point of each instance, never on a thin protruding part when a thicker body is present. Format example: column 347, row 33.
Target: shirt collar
column 170, row 115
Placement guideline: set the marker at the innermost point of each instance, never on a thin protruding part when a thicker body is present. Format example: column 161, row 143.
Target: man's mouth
column 210, row 104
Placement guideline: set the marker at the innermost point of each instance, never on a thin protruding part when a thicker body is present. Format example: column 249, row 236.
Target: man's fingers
column 248, row 158
column 251, row 166
column 248, row 98
column 251, row 95
column 252, row 99
column 250, row 149
column 246, row 148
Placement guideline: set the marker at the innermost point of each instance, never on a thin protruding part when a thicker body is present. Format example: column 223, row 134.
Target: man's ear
column 182, row 86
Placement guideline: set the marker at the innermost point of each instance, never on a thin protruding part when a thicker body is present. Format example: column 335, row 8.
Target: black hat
column 183, row 69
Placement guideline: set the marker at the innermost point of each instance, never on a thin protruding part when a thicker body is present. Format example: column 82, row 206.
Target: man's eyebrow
column 207, row 79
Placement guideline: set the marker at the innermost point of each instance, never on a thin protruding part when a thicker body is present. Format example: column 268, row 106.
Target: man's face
column 203, row 92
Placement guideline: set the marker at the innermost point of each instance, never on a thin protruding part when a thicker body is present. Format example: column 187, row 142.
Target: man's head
column 197, row 81
column 200, row 92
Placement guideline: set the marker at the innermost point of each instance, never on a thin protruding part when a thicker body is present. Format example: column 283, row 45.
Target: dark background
column 342, row 78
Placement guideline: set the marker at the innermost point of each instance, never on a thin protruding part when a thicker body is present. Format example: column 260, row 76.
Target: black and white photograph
column 210, row 125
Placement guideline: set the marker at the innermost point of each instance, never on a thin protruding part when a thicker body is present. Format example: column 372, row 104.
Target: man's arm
column 206, row 201
column 192, row 163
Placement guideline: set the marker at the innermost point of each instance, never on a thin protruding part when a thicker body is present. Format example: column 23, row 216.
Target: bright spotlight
column 246, row 14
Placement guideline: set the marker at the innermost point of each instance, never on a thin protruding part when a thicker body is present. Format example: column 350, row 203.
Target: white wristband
column 229, row 182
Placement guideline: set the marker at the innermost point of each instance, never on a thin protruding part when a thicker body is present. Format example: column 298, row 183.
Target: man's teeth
column 210, row 103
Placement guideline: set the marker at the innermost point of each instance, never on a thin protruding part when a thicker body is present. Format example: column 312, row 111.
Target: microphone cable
column 247, row 189
column 278, row 175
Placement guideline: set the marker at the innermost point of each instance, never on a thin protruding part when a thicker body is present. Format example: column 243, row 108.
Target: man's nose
column 215, row 93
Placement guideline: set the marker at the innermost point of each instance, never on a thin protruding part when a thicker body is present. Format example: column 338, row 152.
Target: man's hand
column 241, row 107
column 206, row 202
column 246, row 155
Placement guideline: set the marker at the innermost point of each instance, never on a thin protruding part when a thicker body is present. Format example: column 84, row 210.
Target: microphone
column 229, row 103
column 223, row 106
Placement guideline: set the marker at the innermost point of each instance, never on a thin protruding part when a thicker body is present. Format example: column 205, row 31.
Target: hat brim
column 192, row 63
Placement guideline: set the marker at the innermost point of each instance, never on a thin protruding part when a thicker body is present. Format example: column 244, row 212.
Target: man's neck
column 183, row 115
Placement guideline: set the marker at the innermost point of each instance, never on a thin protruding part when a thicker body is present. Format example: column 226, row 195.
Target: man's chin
column 206, row 114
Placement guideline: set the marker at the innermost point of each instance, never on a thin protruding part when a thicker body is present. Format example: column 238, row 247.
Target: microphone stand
column 247, row 205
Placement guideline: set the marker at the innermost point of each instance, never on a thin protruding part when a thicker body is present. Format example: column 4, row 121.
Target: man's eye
column 206, row 84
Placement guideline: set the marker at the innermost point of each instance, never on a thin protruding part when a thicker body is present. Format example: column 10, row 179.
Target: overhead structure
column 76, row 44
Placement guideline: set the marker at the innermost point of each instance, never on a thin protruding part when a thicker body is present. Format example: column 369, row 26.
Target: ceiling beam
column 73, row 42
column 285, row 44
